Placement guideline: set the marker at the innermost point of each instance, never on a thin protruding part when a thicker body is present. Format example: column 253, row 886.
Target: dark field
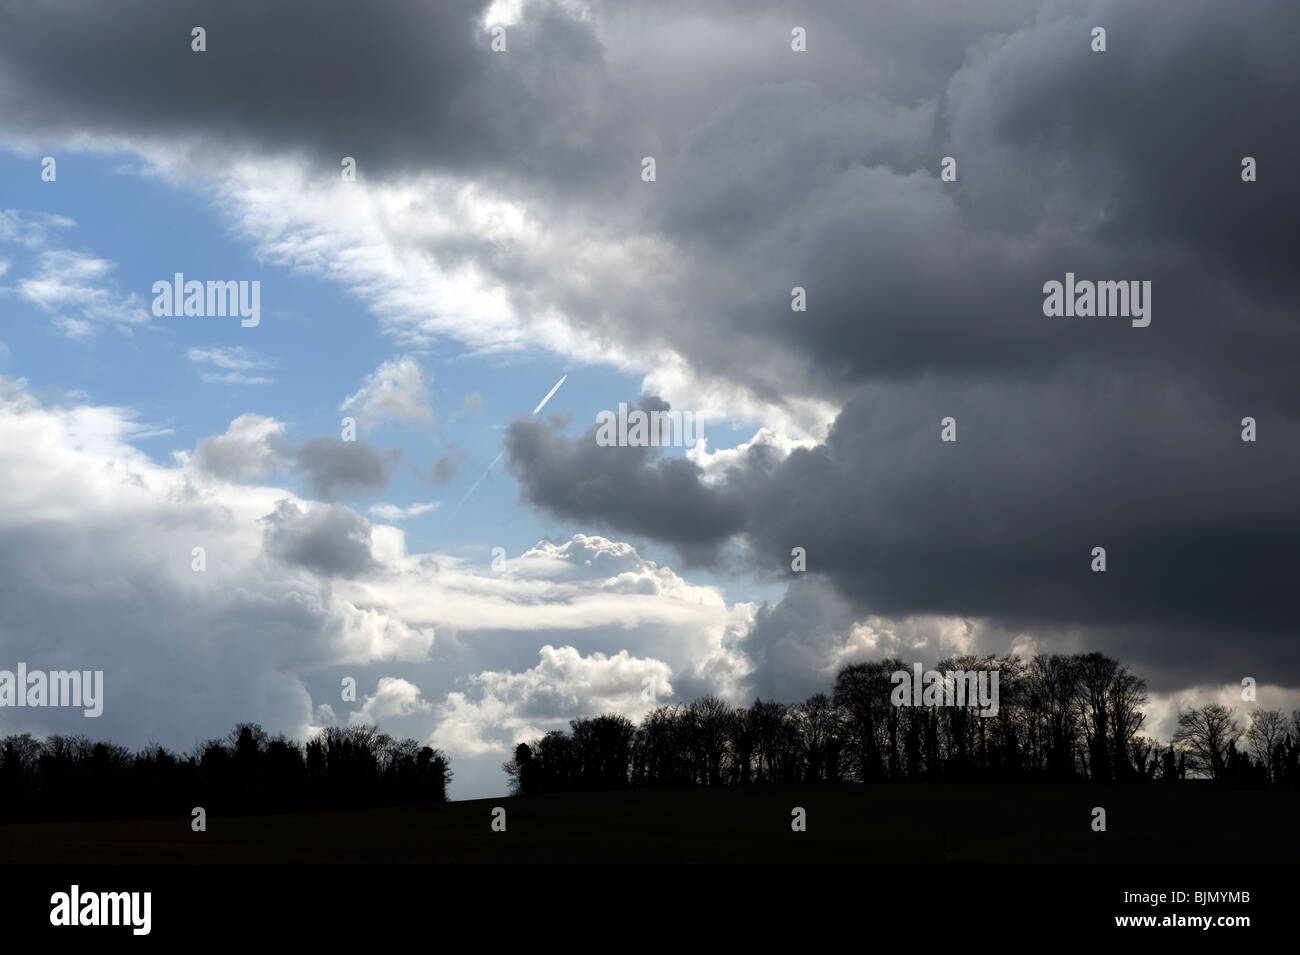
column 887, row 824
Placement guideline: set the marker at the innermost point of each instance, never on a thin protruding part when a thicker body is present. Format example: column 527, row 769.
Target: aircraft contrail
column 540, row 405
column 549, row 394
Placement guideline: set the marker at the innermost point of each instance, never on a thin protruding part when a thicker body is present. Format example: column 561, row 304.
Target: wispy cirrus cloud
column 392, row 512
column 232, row 365
column 72, row 287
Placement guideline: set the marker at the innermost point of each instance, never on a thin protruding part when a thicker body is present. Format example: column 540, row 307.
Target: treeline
column 1058, row 717
column 65, row 777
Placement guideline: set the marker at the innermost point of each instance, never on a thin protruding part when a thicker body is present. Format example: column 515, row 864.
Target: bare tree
column 1205, row 735
column 1128, row 698
column 816, row 722
column 1051, row 691
column 862, row 691
column 1266, row 732
column 1095, row 673
column 710, row 724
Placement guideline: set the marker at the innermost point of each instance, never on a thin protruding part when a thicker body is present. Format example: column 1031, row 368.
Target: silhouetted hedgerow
column 65, row 777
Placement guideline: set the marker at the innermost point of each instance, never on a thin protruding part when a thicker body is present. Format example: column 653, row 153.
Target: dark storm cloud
column 577, row 478
column 792, row 642
column 326, row 538
column 1122, row 164
column 925, row 300
column 1001, row 522
column 330, row 467
column 397, row 85
column 815, row 169
column 254, row 445
column 1199, row 527
column 1150, row 135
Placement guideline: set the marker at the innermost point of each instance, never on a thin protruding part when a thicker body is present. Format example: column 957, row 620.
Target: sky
column 486, row 573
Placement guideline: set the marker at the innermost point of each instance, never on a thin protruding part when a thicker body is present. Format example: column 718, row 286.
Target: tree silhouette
column 72, row 777
column 1058, row 717
column 1205, row 735
column 1266, row 731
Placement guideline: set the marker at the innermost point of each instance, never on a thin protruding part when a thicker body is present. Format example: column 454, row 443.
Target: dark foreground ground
column 888, row 824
